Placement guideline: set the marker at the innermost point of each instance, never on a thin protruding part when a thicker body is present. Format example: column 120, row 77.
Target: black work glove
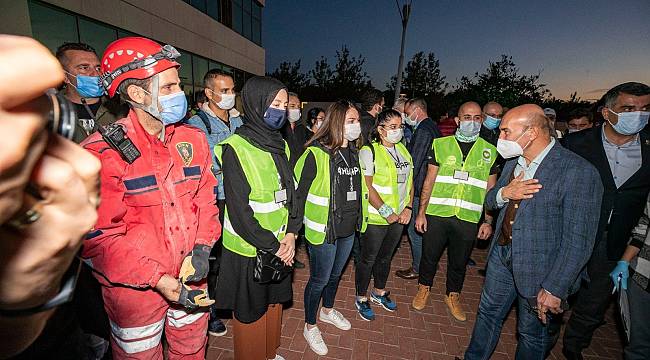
column 196, row 264
column 193, row 299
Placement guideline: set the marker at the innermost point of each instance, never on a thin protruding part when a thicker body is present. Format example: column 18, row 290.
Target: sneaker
column 365, row 310
column 420, row 299
column 216, row 327
column 335, row 318
column 278, row 357
column 383, row 300
column 315, row 340
column 455, row 308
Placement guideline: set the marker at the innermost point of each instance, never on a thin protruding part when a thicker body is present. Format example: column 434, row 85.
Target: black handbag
column 269, row 268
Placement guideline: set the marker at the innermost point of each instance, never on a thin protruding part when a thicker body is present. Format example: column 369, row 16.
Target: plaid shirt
column 641, row 239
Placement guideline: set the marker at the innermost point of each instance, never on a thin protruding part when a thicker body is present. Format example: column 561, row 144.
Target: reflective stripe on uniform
column 227, row 225
column 383, row 189
column 456, row 202
column 264, row 208
column 317, row 200
column 314, row 225
column 470, row 181
column 180, row 318
column 137, row 339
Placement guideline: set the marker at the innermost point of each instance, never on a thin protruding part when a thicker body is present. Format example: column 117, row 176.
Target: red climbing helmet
column 134, row 58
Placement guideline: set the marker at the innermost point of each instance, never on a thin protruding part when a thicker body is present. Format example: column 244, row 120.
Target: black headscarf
column 257, row 95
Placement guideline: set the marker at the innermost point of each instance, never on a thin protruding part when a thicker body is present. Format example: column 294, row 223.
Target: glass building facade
column 243, row 16
column 54, row 26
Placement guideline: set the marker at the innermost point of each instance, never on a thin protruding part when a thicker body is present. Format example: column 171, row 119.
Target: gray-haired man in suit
column 540, row 246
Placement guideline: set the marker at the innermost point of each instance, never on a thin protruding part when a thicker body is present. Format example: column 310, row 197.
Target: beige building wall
column 169, row 21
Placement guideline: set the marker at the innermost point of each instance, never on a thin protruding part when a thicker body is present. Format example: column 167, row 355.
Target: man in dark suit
column 620, row 150
column 539, row 249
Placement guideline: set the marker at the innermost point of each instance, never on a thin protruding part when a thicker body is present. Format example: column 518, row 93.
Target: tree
column 502, row 83
column 349, row 80
column 290, row 75
column 422, row 76
column 321, row 75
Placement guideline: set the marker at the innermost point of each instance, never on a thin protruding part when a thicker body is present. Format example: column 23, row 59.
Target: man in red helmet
column 158, row 218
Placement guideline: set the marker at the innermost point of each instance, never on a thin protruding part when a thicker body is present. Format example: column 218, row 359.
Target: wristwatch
column 489, row 222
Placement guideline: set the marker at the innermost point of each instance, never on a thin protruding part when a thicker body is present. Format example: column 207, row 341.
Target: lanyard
column 349, row 169
column 395, row 157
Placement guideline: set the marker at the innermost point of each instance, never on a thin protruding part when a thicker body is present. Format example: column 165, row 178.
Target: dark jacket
column 296, row 139
column 553, row 233
column 625, row 203
column 367, row 124
column 419, row 147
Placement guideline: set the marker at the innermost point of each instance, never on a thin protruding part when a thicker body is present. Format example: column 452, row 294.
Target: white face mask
column 317, row 125
column 394, row 136
column 510, row 148
column 227, row 101
column 352, row 131
column 294, row 115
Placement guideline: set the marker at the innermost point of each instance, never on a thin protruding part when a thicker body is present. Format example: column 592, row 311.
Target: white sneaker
column 335, row 318
column 278, row 357
column 315, row 340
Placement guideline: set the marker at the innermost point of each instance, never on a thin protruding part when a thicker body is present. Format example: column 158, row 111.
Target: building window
column 52, row 27
column 199, row 5
column 237, row 16
column 213, row 9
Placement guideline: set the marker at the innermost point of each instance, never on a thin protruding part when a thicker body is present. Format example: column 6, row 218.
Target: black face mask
column 275, row 118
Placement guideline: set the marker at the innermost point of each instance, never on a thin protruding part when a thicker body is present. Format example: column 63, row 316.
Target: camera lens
column 61, row 118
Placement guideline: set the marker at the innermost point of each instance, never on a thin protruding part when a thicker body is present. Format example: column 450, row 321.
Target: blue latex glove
column 621, row 270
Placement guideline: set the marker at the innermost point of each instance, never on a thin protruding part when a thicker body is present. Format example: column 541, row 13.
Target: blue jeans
column 639, row 298
column 499, row 293
column 326, row 263
column 415, row 237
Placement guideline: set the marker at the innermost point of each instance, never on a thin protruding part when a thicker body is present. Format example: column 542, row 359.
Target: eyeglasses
column 392, row 127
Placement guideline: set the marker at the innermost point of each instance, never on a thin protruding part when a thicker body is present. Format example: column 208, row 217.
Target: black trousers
column 377, row 246
column 215, row 254
column 458, row 237
column 591, row 301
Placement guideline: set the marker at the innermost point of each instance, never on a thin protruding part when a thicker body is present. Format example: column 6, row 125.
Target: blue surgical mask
column 88, row 86
column 275, row 118
column 630, row 123
column 174, row 107
column 491, row 122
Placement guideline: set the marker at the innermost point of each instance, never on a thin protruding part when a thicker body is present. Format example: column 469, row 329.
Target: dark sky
column 586, row 46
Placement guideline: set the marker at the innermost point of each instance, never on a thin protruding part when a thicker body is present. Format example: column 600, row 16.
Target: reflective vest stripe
column 317, row 200
column 470, row 181
column 383, row 189
column 456, row 203
column 314, row 225
column 264, row 208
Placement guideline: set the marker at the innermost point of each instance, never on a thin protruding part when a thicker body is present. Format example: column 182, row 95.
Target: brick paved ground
column 406, row 333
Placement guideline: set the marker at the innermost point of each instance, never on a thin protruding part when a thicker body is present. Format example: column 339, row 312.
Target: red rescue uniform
column 151, row 215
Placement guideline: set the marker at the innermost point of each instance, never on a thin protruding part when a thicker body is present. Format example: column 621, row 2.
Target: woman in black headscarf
column 261, row 217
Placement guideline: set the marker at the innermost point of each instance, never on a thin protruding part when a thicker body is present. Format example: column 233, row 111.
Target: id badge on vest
column 352, row 195
column 401, row 178
column 461, row 175
column 280, row 196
